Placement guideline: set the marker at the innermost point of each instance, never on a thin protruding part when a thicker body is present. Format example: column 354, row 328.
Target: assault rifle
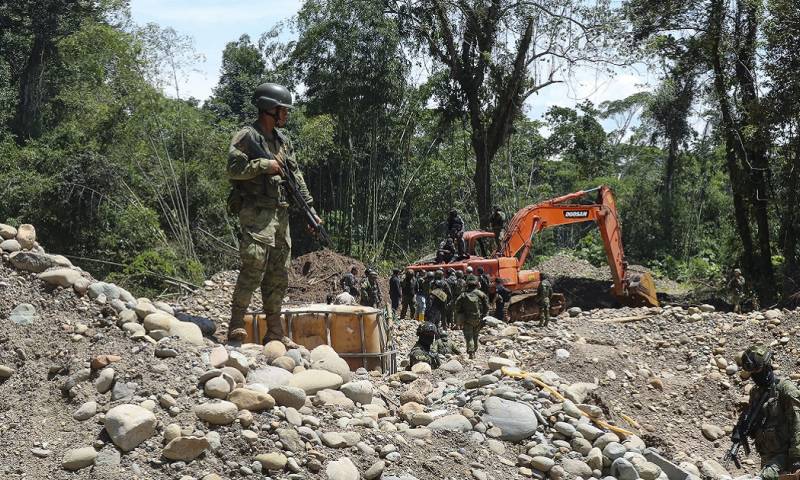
column 290, row 183
column 750, row 421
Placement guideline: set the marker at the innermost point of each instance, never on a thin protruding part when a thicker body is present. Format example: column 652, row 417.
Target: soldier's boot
column 236, row 331
column 275, row 332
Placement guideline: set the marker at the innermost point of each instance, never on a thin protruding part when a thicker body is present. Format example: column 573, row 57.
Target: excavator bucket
column 641, row 290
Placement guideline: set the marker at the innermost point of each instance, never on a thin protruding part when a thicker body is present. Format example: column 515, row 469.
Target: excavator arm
column 630, row 288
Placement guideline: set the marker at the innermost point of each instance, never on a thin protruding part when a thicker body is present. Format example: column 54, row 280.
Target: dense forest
column 406, row 109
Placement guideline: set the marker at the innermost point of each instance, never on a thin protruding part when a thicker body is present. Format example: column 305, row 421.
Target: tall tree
column 497, row 54
column 242, row 71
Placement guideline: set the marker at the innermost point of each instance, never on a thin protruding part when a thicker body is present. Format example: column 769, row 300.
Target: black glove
column 795, row 467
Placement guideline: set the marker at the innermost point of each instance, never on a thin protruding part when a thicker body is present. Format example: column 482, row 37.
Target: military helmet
column 396, row 270
column 429, row 274
column 542, row 276
column 451, row 271
column 372, row 273
column 756, row 358
column 453, row 212
column 270, row 95
column 426, row 329
column 469, row 270
column 472, row 281
column 459, row 274
column 737, row 270
column 439, row 273
column 496, row 208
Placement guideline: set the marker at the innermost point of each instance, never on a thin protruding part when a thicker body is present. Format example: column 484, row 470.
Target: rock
column 451, row 423
column 26, row 236
column 217, row 413
column 565, row 429
column 171, row 432
column 312, row 381
column 707, row 308
column 79, row 458
column 251, row 400
column 543, row 464
column 291, row 440
column 375, row 471
column 342, row 469
column 604, row 439
column 24, row 314
column 85, row 411
column 272, row 461
column 453, row 366
column 186, row 331
column 6, row 372
column 36, row 262
column 332, row 398
column 287, row 396
column 105, row 380
column 217, row 387
column 614, row 450
column 574, row 311
column 421, row 368
column 623, row 470
column 576, row 468
column 10, row 246
column 577, row 392
column 326, row 358
column 238, row 361
column 7, row 232
column 333, row 440
column 102, row 361
column 595, row 459
column 108, row 458
column 123, row 391
column 143, row 308
column 62, row 277
column 185, row 449
column 274, row 350
column 285, row 362
column 769, row 314
column 218, row 356
column 562, row 354
column 158, row 321
column 270, row 377
column 129, row 425
column 712, row 469
column 517, row 421
column 712, row 432
column 496, row 363
column 359, row 392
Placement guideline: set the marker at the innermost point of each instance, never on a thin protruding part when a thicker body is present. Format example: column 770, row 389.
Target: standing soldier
column 349, row 281
column 777, row 436
column 419, row 298
column 395, row 289
column 370, row 295
column 258, row 157
column 452, row 284
column 497, row 222
column 502, row 296
column 455, row 230
column 543, row 294
column 483, row 281
column 408, row 287
column 470, row 308
column 438, row 304
column 736, row 290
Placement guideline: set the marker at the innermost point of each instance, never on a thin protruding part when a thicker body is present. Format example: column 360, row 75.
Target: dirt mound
column 314, row 275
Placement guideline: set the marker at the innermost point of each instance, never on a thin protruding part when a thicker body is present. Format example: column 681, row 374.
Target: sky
column 214, row 23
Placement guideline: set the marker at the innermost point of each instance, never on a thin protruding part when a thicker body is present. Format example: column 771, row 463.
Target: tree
column 497, row 54
column 242, row 71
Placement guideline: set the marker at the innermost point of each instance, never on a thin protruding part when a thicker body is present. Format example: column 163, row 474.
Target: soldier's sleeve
column 291, row 163
column 243, row 162
column 792, row 415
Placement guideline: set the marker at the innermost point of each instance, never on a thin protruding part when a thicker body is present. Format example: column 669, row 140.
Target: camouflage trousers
column 265, row 253
column 772, row 467
column 419, row 355
column 544, row 312
column 471, row 333
column 406, row 305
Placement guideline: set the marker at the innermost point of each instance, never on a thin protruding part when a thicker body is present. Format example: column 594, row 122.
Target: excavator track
column 524, row 307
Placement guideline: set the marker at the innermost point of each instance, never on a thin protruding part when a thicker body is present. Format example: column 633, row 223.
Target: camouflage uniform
column 350, row 284
column 429, row 348
column 452, row 283
column 419, row 297
column 408, row 286
column 736, row 287
column 370, row 293
column 438, row 308
column 503, row 296
column 470, row 308
column 262, row 206
column 497, row 222
column 544, row 292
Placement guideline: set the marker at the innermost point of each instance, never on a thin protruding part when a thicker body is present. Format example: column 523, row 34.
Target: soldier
column 345, row 298
column 446, row 251
column 370, row 294
column 419, row 298
column 395, row 289
column 258, row 156
column 777, row 440
column 452, row 284
column 483, row 281
column 349, row 281
column 736, row 290
column 427, row 285
column 408, row 286
column 543, row 294
column 502, row 296
column 470, row 308
column 497, row 222
column 455, row 231
column 427, row 348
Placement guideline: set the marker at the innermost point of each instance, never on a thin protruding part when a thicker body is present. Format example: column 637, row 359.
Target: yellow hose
column 522, row 374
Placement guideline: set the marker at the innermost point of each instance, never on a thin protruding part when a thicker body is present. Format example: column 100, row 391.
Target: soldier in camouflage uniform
column 736, row 288
column 543, row 294
column 432, row 344
column 370, row 290
column 452, row 284
column 497, row 222
column 408, row 286
column 777, row 441
column 470, row 308
column 258, row 156
column 349, row 281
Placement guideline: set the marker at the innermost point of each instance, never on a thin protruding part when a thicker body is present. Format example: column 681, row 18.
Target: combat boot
column 236, row 332
column 275, row 332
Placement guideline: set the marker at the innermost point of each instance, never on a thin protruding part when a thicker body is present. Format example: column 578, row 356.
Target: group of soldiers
column 353, row 291
column 453, row 247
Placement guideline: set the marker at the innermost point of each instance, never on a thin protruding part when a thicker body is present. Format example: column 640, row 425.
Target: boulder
column 359, row 392
column 342, row 469
column 516, row 421
column 451, row 423
column 312, row 381
column 287, row 396
column 251, row 400
column 325, row 358
column 188, row 332
column 61, row 277
column 26, row 236
column 129, row 425
column 33, row 261
column 7, row 232
column 272, row 461
column 274, row 349
column 185, row 449
column 217, row 413
column 10, row 246
column 158, row 321
column 270, row 377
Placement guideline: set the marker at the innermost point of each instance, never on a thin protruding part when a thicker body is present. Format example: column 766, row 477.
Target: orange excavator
column 629, row 288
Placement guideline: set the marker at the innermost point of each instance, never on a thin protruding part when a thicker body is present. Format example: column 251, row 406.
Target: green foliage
column 591, row 249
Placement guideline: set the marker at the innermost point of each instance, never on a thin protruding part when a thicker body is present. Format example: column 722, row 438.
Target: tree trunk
column 483, row 168
column 667, row 206
column 28, row 120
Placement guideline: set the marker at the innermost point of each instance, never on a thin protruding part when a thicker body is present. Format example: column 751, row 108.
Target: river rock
column 10, row 246
column 217, row 413
column 577, row 468
column 62, row 277
column 7, row 232
column 24, row 314
column 79, row 458
column 312, row 381
column 105, row 380
column 269, row 376
column 251, row 400
column 359, row 392
column 85, row 411
column 185, row 449
column 496, row 363
column 272, row 461
column 325, row 358
column 287, row 396
column 517, row 421
column 453, row 366
column 129, row 425
column 712, row 432
column 274, row 350
column 186, row 331
column 5, row 372
column 342, row 469
column 451, row 423
column 217, row 387
column 623, row 470
column 26, row 236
